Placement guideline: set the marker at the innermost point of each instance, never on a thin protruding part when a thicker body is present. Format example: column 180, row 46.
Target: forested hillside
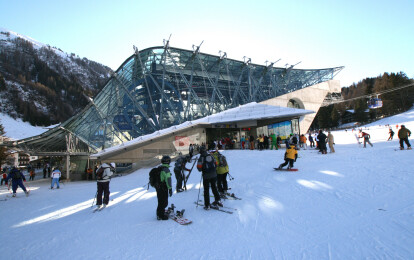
column 42, row 84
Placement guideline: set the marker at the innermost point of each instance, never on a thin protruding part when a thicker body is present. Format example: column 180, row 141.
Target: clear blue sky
column 367, row 37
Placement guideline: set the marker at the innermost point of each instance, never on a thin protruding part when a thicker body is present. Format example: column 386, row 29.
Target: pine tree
column 3, row 150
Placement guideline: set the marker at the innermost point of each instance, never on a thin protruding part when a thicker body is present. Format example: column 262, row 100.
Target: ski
column 218, row 209
column 286, row 170
column 98, row 209
column 225, row 207
column 231, row 195
column 177, row 216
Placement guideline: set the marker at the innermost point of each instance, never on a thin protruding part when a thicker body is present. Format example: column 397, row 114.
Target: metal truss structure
column 163, row 86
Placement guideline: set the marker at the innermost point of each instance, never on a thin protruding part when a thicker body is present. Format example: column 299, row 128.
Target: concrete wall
column 310, row 98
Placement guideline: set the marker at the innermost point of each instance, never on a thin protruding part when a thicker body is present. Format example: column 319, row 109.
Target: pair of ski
column 224, row 209
column 98, row 209
column 287, row 170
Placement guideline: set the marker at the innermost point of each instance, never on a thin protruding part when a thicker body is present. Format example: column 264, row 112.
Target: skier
column 164, row 189
column 103, row 176
column 207, row 165
column 291, row 155
column 17, row 177
column 322, row 142
column 56, row 174
column 179, row 169
column 366, row 138
column 331, row 142
column 403, row 134
column 391, row 135
column 222, row 171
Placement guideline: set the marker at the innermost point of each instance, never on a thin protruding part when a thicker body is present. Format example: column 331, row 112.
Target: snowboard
column 286, row 170
column 177, row 216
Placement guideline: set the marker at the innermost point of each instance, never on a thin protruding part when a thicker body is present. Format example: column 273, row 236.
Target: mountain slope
column 42, row 84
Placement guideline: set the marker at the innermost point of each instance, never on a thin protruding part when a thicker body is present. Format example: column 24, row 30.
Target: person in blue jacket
column 17, row 180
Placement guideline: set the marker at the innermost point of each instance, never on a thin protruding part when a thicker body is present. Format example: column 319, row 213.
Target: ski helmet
column 165, row 159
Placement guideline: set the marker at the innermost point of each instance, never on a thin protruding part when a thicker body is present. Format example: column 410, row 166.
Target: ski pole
column 199, row 188
column 230, row 177
column 94, row 198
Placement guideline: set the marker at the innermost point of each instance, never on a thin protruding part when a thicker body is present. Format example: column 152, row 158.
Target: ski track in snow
column 356, row 203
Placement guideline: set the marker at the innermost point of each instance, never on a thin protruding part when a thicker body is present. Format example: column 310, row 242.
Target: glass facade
column 163, row 86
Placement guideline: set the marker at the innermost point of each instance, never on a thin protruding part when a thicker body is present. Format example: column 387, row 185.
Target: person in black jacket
column 17, row 177
column 322, row 142
column 179, row 169
column 207, row 165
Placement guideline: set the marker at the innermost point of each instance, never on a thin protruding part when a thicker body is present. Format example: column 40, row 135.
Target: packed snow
column 356, row 203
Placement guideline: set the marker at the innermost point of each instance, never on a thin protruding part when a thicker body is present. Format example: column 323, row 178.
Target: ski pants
column 206, row 184
column 222, row 182
column 366, row 140
column 103, row 187
column 18, row 182
column 331, row 147
column 162, row 196
column 55, row 180
column 274, row 145
column 402, row 140
column 287, row 161
column 179, row 176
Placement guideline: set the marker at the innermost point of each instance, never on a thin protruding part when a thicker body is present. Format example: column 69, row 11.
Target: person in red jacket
column 366, row 138
column 4, row 178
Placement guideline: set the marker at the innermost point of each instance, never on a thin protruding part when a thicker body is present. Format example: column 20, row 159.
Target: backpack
column 209, row 163
column 222, row 160
column 178, row 164
column 99, row 173
column 155, row 177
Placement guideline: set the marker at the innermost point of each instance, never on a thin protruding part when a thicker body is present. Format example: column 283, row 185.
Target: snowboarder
column 391, row 135
column 366, row 138
column 291, row 155
column 103, row 176
column 17, row 176
column 331, row 142
column 403, row 134
column 222, row 171
column 56, row 174
column 164, row 188
column 207, row 165
column 179, row 169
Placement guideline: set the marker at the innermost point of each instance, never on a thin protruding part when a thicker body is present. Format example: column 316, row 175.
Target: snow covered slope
column 353, row 204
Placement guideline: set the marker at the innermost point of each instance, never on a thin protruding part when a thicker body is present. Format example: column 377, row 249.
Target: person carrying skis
column 164, row 188
column 179, row 169
column 103, row 176
column 17, row 176
column 366, row 138
column 222, row 171
column 391, row 135
column 403, row 134
column 56, row 174
column 207, row 165
column 291, row 155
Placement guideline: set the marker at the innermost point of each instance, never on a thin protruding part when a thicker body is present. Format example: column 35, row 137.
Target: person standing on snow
column 179, row 169
column 164, row 189
column 391, row 135
column 366, row 138
column 56, row 174
column 331, row 142
column 322, row 142
column 311, row 142
column 103, row 176
column 222, row 171
column 291, row 155
column 17, row 177
column 207, row 165
column 191, row 150
column 403, row 134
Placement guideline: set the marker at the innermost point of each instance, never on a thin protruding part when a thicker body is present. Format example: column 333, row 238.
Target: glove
column 170, row 192
column 24, row 180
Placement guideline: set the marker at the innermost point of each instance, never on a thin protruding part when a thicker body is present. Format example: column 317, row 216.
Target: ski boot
column 217, row 203
column 14, row 195
column 180, row 213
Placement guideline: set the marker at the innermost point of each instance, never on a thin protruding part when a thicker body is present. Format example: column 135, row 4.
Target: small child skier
column 291, row 155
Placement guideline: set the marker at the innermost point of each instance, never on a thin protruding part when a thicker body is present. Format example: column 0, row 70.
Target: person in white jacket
column 103, row 176
column 56, row 174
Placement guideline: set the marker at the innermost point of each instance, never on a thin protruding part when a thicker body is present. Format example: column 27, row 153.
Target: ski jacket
column 220, row 169
column 165, row 177
column 365, row 135
column 180, row 165
column 15, row 174
column 107, row 174
column 210, row 172
column 302, row 139
column 56, row 174
column 403, row 133
column 291, row 153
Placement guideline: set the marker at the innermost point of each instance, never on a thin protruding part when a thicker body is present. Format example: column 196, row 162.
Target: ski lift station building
column 162, row 95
